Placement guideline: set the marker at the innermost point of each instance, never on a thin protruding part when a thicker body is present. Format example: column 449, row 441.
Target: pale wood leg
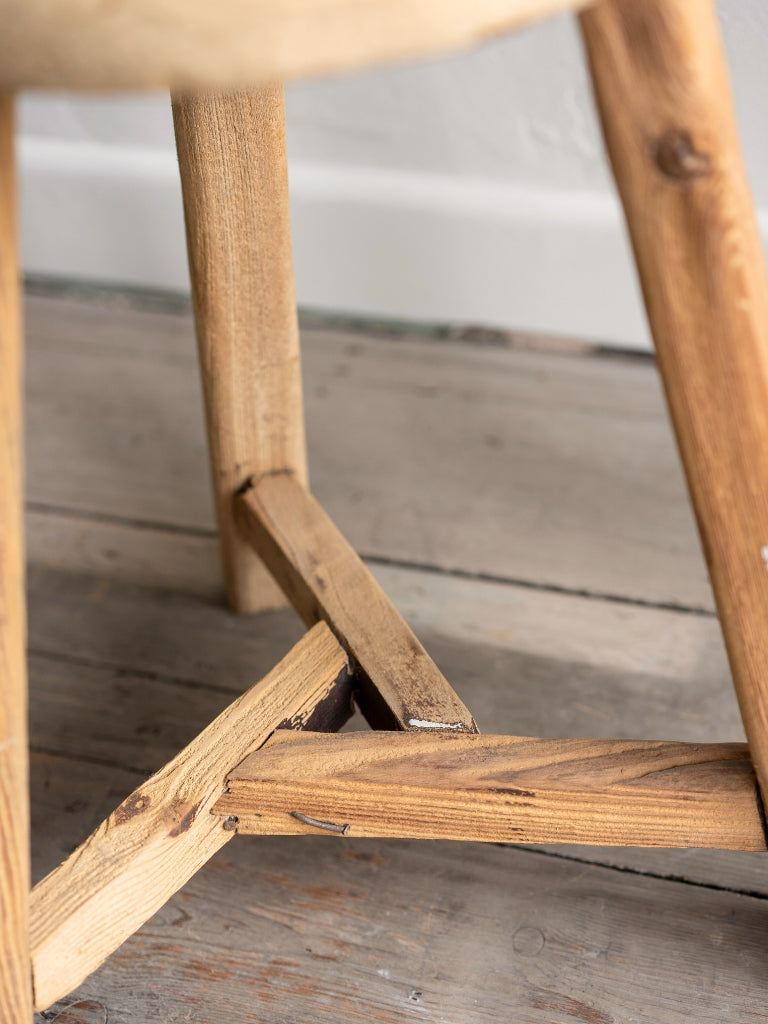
column 234, row 175
column 15, row 982
column 664, row 97
column 164, row 832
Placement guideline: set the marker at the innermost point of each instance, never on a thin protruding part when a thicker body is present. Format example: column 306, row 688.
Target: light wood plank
column 400, row 685
column 664, row 96
column 15, row 993
column 499, row 789
column 161, row 834
column 568, row 469
column 236, row 41
column 234, row 177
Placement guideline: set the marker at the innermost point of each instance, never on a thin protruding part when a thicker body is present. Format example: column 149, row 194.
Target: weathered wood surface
column 234, row 176
column 298, row 929
column 135, row 655
column 503, row 789
column 15, row 993
column 236, row 42
column 664, row 96
column 568, row 466
column 163, row 833
column 400, row 687
column 548, row 664
column 716, row 934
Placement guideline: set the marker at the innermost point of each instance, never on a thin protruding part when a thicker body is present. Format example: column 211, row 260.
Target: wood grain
column 584, row 437
column 235, row 42
column 15, row 993
column 507, row 789
column 439, row 932
column 235, row 183
column 122, row 659
column 400, row 685
column 482, row 932
column 163, row 832
column 664, row 97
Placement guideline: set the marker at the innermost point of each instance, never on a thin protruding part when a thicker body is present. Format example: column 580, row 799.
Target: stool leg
column 15, row 972
column 234, row 176
column 664, row 98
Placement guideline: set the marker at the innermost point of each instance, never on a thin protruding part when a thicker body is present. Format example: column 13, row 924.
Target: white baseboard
column 385, row 244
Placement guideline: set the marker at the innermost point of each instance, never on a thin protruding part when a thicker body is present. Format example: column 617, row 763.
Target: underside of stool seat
column 189, row 44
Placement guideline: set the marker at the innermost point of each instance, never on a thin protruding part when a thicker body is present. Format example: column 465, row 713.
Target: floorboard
column 325, row 932
column 525, row 512
column 564, row 465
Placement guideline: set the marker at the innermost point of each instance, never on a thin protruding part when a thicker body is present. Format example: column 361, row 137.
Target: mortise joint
column 252, row 480
column 246, row 485
column 326, row 826
column 677, row 158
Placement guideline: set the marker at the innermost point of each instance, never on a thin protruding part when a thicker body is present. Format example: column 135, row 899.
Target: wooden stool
column 663, row 95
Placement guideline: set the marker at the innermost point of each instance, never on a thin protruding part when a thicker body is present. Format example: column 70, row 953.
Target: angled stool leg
column 664, row 97
column 15, row 984
column 234, row 175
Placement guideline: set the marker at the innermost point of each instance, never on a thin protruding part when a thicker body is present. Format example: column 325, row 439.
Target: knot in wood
column 129, row 808
column 677, row 157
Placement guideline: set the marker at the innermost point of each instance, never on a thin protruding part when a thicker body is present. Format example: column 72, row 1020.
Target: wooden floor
column 525, row 511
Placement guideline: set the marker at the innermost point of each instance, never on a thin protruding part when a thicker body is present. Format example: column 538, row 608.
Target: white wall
column 470, row 189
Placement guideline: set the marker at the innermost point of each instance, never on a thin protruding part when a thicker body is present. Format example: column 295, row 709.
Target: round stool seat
column 117, row 44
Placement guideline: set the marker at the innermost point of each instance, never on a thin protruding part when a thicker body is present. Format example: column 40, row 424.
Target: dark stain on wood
column 677, row 157
column 309, row 896
column 136, row 803
column 570, row 1007
column 510, row 791
column 316, row 569
column 375, row 709
column 364, row 857
column 332, row 712
column 185, row 821
column 86, row 1011
column 247, row 485
column 182, row 919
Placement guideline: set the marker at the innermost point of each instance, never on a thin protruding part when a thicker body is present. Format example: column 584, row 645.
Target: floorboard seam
column 140, row 673
column 102, row 762
column 383, row 560
column 548, row 588
column 626, row 870
column 207, row 533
